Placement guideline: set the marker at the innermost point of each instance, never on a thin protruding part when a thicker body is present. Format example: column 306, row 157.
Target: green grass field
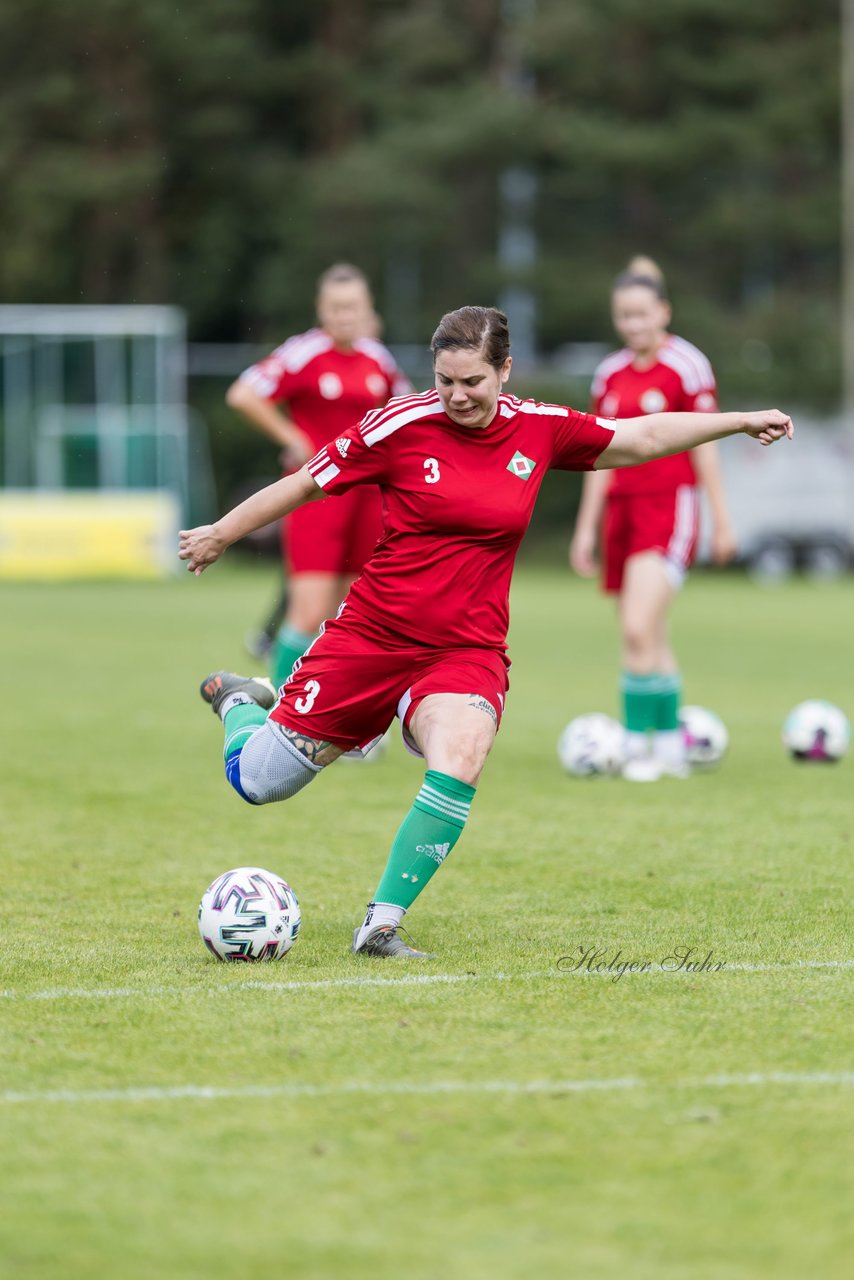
column 485, row 1113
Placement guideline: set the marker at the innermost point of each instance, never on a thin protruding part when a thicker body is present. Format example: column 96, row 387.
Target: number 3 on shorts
column 304, row 704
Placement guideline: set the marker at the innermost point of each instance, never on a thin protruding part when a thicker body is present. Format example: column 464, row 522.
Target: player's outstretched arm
column 638, row 440
column 204, row 545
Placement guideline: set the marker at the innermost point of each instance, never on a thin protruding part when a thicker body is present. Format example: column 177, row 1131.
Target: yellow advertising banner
column 87, row 534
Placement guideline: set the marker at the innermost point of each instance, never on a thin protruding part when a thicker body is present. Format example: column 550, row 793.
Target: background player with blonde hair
column 648, row 516
column 304, row 394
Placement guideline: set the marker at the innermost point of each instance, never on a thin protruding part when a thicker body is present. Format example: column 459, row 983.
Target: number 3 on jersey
column 304, row 704
column 431, row 466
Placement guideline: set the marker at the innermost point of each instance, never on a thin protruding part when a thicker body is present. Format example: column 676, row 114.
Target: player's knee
column 464, row 759
column 308, row 610
column 232, row 773
column 307, row 621
column 268, row 768
column 638, row 641
column 451, row 741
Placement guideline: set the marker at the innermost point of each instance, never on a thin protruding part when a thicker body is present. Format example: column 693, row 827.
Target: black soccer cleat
column 385, row 943
column 220, row 685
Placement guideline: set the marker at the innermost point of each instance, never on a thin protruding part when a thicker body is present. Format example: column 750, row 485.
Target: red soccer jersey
column 680, row 380
column 327, row 388
column 457, row 501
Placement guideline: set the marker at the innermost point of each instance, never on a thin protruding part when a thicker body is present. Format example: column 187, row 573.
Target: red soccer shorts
column 354, row 678
column 333, row 535
column 665, row 522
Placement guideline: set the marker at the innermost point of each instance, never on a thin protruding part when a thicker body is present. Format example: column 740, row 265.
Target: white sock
column 637, row 745
column 380, row 913
column 233, row 700
column 670, row 747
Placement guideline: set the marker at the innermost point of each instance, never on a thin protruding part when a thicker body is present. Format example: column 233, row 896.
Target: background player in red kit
column 423, row 631
column 651, row 514
column 303, row 394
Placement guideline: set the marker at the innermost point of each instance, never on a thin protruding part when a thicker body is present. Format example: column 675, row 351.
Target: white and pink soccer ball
column 705, row 735
column 816, row 730
column 592, row 745
column 249, row 914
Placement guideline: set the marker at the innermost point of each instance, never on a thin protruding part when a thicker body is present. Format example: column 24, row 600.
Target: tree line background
column 219, row 155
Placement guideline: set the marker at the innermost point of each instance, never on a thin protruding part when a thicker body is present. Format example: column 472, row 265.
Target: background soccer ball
column 706, row 737
column 592, row 744
column 249, row 914
column 817, row 730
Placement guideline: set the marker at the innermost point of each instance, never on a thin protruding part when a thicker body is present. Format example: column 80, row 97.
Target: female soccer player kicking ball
column 422, row 633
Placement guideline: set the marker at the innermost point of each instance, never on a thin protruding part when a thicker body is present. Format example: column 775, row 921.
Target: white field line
column 407, row 980
column 387, row 1088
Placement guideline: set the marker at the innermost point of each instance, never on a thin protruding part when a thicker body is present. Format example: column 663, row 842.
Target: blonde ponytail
column 641, row 265
column 644, row 271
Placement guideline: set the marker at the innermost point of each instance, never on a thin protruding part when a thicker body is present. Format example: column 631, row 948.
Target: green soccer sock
column 640, row 696
column 239, row 724
column 426, row 836
column 668, row 703
column 289, row 645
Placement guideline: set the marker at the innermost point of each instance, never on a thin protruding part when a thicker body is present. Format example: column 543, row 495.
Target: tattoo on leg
column 314, row 749
column 481, row 704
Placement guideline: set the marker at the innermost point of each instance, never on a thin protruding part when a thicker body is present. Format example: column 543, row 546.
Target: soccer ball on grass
column 592, row 745
column 817, row 730
column 706, row 737
column 249, row 914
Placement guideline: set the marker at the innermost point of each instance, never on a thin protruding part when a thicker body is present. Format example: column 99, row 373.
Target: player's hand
column 768, row 425
column 582, row 553
column 290, row 460
column 296, row 452
column 724, row 544
column 200, row 547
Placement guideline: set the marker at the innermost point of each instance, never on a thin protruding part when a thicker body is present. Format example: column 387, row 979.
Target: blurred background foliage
column 218, row 156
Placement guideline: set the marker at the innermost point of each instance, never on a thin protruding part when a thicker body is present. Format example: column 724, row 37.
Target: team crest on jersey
column 342, row 444
column 330, row 386
column 520, row 465
column 653, row 401
column 610, row 405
